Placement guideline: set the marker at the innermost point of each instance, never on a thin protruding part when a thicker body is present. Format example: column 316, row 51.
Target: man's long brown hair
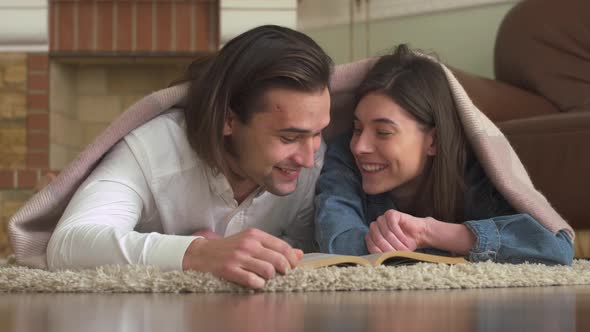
column 236, row 77
column 419, row 85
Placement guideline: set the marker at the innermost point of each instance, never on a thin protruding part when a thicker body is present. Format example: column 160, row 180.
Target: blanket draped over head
column 31, row 227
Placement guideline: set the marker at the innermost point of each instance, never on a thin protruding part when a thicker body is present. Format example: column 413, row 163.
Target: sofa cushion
column 500, row 101
column 554, row 150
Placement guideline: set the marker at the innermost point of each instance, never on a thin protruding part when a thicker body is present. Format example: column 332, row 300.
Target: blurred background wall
column 462, row 33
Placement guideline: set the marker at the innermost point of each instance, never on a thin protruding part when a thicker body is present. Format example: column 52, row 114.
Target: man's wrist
column 192, row 251
column 167, row 251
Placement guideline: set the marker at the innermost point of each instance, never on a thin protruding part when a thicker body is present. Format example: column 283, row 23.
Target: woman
column 406, row 178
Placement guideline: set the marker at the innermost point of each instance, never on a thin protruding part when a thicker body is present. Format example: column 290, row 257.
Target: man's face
column 272, row 148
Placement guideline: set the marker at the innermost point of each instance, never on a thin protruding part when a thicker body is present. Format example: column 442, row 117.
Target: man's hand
column 208, row 234
column 248, row 258
column 395, row 230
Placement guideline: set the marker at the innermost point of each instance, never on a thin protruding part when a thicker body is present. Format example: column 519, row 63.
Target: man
column 224, row 185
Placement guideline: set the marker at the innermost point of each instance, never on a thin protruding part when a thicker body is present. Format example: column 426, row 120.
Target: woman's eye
column 286, row 139
column 383, row 133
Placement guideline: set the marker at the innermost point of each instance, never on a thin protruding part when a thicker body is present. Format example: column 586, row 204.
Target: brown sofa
column 541, row 101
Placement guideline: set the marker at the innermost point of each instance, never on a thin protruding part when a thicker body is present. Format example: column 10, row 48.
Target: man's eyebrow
column 295, row 130
column 380, row 120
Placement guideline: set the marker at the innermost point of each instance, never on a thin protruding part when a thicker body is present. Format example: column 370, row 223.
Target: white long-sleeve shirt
column 150, row 192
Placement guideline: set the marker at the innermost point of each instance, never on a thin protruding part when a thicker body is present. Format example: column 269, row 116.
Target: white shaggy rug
column 141, row 279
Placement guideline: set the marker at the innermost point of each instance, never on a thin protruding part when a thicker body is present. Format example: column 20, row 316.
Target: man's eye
column 286, row 139
column 357, row 131
column 383, row 133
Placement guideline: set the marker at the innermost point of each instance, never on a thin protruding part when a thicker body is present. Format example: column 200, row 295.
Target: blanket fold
column 31, row 227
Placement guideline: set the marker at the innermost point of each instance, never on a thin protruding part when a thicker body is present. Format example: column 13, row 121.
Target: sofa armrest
column 555, row 152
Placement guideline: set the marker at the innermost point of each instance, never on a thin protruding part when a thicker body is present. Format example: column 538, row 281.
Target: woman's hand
column 395, row 230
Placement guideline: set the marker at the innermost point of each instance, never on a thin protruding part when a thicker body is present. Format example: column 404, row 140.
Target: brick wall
column 24, row 131
column 94, row 93
column 86, row 97
column 32, row 88
column 163, row 26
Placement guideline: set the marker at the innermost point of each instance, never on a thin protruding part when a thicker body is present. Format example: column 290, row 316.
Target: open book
column 388, row 258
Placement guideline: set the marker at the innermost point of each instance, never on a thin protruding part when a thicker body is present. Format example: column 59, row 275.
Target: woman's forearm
column 455, row 238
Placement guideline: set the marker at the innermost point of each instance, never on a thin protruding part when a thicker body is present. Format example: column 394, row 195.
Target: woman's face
column 390, row 147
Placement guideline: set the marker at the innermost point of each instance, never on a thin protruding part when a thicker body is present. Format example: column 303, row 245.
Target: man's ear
column 228, row 123
column 431, row 141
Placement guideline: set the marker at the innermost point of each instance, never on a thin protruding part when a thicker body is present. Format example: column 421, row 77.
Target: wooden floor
column 504, row 309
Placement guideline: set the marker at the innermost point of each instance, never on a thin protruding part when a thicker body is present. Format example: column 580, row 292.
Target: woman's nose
column 361, row 144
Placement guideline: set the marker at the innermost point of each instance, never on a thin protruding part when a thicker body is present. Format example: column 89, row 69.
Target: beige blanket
column 31, row 227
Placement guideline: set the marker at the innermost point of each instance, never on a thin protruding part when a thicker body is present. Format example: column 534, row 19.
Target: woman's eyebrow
column 380, row 120
column 385, row 120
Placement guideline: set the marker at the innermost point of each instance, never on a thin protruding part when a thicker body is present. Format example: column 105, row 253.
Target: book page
column 319, row 259
column 409, row 257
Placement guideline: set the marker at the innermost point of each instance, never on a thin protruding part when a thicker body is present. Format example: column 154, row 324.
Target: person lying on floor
column 408, row 176
column 224, row 184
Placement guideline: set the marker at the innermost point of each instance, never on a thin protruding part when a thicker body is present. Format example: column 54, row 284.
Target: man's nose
column 306, row 154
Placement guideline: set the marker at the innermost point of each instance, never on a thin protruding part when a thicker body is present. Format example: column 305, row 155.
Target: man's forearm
column 91, row 245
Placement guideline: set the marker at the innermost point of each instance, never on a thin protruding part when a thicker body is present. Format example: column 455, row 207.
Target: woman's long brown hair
column 419, row 85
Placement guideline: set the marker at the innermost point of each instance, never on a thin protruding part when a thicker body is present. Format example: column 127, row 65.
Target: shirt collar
column 220, row 186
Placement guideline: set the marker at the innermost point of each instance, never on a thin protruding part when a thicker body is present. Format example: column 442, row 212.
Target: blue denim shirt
column 343, row 214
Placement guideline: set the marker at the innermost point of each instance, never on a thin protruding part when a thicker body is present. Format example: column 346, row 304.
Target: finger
column 390, row 236
column 371, row 247
column 394, row 220
column 245, row 278
column 261, row 267
column 378, row 239
column 275, row 244
column 298, row 253
column 399, row 233
column 276, row 259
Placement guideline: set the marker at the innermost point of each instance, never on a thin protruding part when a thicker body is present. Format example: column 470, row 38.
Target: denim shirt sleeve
column 505, row 236
column 340, row 226
column 519, row 238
